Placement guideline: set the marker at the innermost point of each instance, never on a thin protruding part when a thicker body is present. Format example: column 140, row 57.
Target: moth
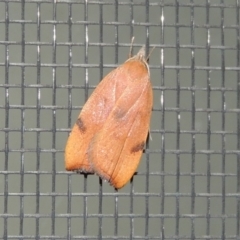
column 109, row 135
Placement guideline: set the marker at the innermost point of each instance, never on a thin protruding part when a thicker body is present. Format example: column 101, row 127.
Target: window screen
column 52, row 56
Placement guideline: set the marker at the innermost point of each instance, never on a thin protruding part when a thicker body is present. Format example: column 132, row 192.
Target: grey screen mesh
column 52, row 56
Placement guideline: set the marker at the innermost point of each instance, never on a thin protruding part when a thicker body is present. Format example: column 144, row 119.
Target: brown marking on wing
column 81, row 125
column 138, row 147
column 120, row 113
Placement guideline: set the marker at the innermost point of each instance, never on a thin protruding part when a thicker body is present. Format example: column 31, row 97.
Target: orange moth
column 109, row 135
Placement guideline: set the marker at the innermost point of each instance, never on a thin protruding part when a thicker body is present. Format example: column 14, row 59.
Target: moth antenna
column 131, row 48
column 147, row 59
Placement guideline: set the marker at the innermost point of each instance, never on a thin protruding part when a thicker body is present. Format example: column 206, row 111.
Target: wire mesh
column 54, row 53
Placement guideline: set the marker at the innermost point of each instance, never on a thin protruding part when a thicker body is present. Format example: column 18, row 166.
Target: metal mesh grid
column 53, row 54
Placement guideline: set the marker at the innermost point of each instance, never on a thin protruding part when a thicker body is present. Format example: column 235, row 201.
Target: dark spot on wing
column 119, row 113
column 138, row 147
column 81, row 125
